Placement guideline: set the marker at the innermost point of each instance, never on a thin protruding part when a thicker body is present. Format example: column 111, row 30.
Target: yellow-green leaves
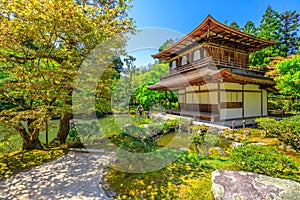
column 42, row 45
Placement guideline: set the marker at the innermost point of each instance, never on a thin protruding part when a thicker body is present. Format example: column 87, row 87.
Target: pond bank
column 219, row 124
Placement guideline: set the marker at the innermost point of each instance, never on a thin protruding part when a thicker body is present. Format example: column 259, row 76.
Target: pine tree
column 290, row 22
column 249, row 28
column 234, row 25
column 268, row 29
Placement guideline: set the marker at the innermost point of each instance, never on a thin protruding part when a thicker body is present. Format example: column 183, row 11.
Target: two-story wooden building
column 209, row 68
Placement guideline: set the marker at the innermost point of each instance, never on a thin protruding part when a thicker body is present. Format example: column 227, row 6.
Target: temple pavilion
column 209, row 70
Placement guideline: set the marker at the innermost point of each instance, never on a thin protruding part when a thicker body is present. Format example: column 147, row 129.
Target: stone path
column 73, row 176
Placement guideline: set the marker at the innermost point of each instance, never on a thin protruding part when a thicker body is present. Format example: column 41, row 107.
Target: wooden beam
column 243, row 101
column 261, row 102
column 219, row 99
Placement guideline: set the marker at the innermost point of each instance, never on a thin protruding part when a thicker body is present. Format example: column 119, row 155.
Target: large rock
column 238, row 185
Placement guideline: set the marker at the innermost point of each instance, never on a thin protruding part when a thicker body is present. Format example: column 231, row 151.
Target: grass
column 14, row 141
column 14, row 162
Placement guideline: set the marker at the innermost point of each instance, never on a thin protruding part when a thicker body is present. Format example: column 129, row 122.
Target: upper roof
column 212, row 30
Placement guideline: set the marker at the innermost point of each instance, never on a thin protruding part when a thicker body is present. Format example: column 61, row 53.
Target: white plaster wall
column 189, row 98
column 231, row 113
column 192, row 88
column 265, row 102
column 204, row 98
column 239, row 97
column 196, row 98
column 196, row 88
column 233, row 97
column 189, row 89
column 181, row 91
column 252, row 104
column 181, row 98
column 213, row 98
column 232, row 86
column 223, row 96
column 210, row 86
column 251, row 87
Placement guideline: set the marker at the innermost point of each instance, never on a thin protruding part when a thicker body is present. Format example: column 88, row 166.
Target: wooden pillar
column 261, row 102
column 219, row 99
column 166, row 97
column 243, row 101
column 267, row 102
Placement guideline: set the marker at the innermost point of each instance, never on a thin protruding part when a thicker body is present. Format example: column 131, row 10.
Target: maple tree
column 42, row 45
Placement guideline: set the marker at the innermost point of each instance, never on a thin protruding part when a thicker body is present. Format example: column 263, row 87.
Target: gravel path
column 73, row 176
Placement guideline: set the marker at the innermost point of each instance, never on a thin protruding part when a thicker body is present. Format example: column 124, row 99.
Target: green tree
column 249, row 28
column 234, row 25
column 290, row 22
column 288, row 81
column 42, row 46
column 166, row 45
column 268, row 29
column 148, row 98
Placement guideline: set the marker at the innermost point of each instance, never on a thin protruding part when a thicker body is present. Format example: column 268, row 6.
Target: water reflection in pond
column 177, row 137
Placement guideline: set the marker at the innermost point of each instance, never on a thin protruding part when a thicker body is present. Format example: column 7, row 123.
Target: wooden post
column 233, row 123
column 243, row 101
column 219, row 99
column 47, row 134
column 212, row 120
column 267, row 103
column 166, row 97
column 261, row 102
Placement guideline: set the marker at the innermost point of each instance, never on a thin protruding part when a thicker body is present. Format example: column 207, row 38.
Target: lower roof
column 212, row 74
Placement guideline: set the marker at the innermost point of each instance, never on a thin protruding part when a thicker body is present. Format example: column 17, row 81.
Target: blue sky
column 182, row 16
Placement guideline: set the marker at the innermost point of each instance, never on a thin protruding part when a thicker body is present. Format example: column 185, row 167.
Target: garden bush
column 265, row 160
column 286, row 130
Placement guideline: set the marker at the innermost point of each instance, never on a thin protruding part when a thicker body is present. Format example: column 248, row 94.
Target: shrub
column 267, row 124
column 286, row 130
column 265, row 160
column 172, row 125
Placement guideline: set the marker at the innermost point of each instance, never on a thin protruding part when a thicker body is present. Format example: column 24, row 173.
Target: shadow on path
column 74, row 176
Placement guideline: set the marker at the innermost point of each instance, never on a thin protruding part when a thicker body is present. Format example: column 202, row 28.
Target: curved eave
column 209, row 76
column 214, row 29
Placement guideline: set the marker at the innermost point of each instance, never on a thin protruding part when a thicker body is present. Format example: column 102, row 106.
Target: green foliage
column 134, row 139
column 265, row 160
column 234, row 25
column 74, row 139
column 149, row 98
column 166, row 45
column 286, row 130
column 290, row 40
column 17, row 161
column 250, row 28
column 138, row 92
column 288, row 81
column 267, row 124
column 281, row 27
column 164, row 183
column 10, row 143
column 41, row 53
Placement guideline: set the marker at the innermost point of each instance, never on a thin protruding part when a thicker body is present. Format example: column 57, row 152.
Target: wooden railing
column 212, row 62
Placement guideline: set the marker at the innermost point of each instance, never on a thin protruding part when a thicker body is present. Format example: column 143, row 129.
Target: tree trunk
column 64, row 128
column 32, row 143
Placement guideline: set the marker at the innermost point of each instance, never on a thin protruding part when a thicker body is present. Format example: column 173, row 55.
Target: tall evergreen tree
column 290, row 22
column 234, row 25
column 249, row 28
column 268, row 29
